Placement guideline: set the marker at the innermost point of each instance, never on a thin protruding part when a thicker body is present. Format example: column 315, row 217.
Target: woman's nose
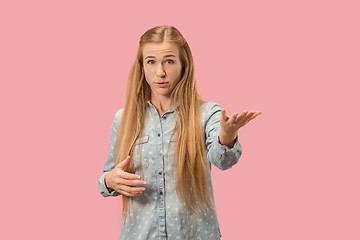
column 160, row 72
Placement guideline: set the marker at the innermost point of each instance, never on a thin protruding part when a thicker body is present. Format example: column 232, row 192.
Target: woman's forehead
column 160, row 49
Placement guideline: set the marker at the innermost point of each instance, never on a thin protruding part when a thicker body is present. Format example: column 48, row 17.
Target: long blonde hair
column 192, row 184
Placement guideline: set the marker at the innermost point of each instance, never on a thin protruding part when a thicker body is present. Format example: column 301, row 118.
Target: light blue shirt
column 157, row 213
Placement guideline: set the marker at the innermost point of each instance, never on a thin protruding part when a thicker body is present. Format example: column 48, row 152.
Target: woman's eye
column 169, row 61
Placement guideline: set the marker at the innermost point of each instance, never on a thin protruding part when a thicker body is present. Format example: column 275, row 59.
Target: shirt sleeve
column 110, row 163
column 220, row 155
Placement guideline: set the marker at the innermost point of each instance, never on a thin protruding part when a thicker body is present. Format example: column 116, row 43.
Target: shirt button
column 160, row 192
column 160, row 154
column 164, row 117
column 160, row 173
column 159, row 135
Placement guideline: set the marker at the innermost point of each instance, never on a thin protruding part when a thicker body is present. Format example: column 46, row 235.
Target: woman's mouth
column 162, row 84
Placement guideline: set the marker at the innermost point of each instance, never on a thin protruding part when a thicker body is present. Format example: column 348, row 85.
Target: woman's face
column 162, row 67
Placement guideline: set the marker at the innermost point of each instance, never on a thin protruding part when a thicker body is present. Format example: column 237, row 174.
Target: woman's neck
column 161, row 103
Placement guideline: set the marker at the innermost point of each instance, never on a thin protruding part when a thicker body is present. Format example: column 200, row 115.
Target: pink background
column 63, row 66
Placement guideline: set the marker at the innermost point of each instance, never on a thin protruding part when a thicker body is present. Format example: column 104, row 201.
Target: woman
column 163, row 143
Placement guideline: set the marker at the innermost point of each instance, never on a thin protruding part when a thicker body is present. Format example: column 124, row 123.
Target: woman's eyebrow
column 170, row 55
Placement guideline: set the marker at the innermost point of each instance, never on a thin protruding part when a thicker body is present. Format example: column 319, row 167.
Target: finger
column 248, row 117
column 233, row 117
column 257, row 113
column 235, row 114
column 241, row 116
column 136, row 194
column 123, row 192
column 131, row 189
column 123, row 163
column 133, row 182
column 250, row 114
column 129, row 194
column 223, row 115
column 254, row 116
column 245, row 118
column 129, row 176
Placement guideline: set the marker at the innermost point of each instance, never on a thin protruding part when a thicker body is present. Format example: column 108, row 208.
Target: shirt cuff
column 104, row 190
column 226, row 149
column 223, row 156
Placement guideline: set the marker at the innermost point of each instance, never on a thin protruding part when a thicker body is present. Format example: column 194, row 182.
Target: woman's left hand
column 231, row 124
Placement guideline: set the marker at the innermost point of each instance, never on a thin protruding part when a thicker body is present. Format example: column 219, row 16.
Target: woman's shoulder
column 210, row 106
column 210, row 109
column 119, row 112
column 118, row 115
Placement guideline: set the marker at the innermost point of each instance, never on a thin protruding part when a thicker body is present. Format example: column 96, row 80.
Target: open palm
column 231, row 124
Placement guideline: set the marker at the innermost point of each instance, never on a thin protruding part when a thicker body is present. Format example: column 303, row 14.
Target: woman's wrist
column 226, row 139
column 106, row 185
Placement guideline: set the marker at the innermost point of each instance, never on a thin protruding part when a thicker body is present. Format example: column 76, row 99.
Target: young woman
column 163, row 143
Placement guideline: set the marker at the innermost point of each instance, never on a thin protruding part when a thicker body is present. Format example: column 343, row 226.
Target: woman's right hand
column 123, row 182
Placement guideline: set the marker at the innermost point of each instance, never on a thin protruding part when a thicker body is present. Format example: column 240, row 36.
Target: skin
column 161, row 63
column 231, row 124
column 160, row 67
column 124, row 182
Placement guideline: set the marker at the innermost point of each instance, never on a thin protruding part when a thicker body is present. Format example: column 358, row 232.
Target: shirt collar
column 170, row 110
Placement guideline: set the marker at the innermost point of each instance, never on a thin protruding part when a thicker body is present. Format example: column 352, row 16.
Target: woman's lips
column 162, row 84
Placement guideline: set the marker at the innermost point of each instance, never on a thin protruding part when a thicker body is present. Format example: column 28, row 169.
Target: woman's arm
column 221, row 135
column 230, row 125
column 110, row 163
column 222, row 156
column 115, row 181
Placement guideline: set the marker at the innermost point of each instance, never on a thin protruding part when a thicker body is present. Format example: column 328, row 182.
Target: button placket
column 160, row 178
